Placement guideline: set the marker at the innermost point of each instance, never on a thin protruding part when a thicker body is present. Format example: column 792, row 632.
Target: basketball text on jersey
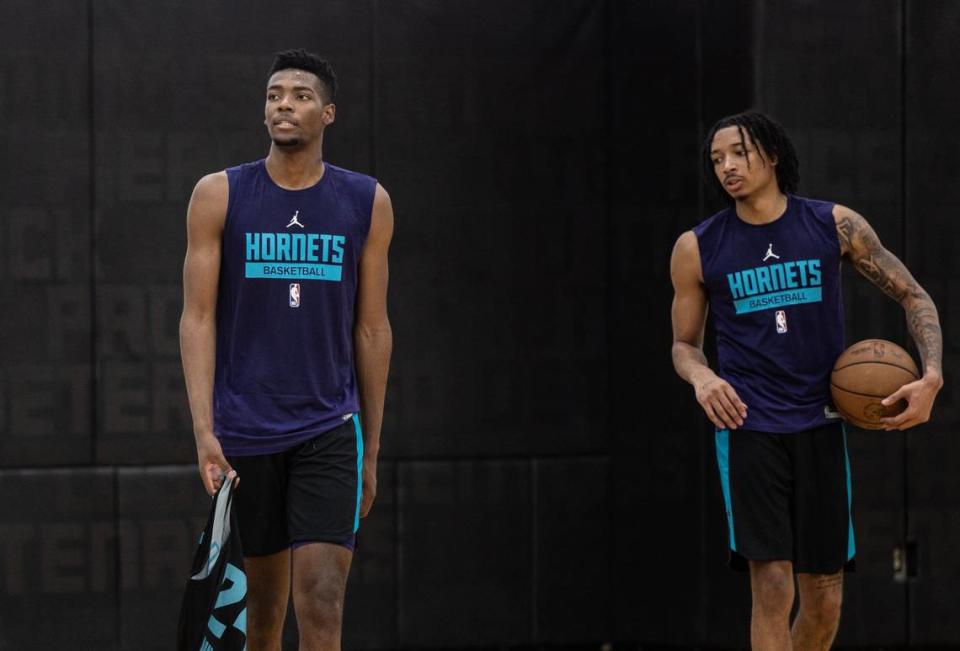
column 776, row 285
column 295, row 256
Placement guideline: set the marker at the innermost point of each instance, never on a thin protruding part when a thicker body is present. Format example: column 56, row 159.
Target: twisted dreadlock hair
column 772, row 140
column 309, row 62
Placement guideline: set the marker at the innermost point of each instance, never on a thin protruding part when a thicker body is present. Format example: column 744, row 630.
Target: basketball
column 866, row 373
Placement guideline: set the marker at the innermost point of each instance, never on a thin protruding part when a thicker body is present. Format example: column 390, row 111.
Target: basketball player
column 285, row 344
column 768, row 266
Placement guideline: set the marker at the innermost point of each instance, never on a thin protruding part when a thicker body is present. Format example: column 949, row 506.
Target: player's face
column 738, row 163
column 294, row 111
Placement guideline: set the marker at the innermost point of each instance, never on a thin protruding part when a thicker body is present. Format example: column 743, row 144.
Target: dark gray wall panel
column 162, row 511
column 572, row 550
column 45, row 350
column 465, row 553
column 370, row 610
column 658, row 515
column 876, row 462
column 653, row 112
column 179, row 95
column 932, row 169
column 58, row 580
column 489, row 140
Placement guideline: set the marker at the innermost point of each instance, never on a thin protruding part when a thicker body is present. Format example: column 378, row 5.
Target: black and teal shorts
column 788, row 498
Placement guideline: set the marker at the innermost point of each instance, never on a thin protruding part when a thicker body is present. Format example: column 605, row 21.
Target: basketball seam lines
column 872, row 361
column 867, row 395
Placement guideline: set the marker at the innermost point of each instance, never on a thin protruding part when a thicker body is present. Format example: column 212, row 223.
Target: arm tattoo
column 861, row 244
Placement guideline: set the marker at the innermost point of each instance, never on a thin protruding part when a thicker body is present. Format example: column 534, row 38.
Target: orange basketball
column 866, row 373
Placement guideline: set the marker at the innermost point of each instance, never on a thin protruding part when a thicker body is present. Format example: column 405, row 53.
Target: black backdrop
column 546, row 478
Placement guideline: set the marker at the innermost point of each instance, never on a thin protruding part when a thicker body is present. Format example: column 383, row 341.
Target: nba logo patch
column 781, row 322
column 294, row 294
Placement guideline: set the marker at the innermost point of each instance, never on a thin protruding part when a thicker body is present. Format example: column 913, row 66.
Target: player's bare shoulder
column 208, row 203
column 685, row 259
column 381, row 220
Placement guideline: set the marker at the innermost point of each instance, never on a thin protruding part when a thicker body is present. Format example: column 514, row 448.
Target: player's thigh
column 320, row 574
column 268, row 587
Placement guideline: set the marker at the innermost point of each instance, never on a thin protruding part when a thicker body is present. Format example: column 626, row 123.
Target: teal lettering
column 815, row 276
column 736, row 285
column 750, row 281
column 253, row 246
column 790, row 270
column 776, row 275
column 240, row 623
column 802, row 266
column 283, row 246
column 237, row 589
column 299, row 247
column 763, row 280
column 268, row 246
column 312, row 247
column 338, row 242
column 326, row 246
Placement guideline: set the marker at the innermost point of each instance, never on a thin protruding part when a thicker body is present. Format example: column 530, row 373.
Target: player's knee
column 824, row 609
column 322, row 604
column 773, row 588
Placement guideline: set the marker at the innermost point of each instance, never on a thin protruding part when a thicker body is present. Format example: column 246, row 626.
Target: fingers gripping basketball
column 865, row 374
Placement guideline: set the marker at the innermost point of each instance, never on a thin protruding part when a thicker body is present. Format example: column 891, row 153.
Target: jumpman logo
column 295, row 220
column 770, row 253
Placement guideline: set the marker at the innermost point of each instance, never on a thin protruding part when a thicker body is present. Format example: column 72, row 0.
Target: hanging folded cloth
column 213, row 616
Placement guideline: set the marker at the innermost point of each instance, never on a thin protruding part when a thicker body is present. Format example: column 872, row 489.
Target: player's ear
column 329, row 114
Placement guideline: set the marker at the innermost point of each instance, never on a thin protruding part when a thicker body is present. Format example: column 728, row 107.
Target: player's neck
column 295, row 168
column 762, row 207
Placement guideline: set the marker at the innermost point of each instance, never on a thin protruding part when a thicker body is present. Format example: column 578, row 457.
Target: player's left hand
column 369, row 490
column 919, row 396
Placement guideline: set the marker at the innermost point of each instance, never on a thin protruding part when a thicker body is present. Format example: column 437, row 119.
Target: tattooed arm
column 861, row 246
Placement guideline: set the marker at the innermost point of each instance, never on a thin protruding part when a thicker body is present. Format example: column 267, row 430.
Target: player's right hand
column 213, row 465
column 720, row 402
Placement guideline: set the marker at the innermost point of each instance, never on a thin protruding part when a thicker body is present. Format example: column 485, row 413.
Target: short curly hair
column 771, row 137
column 301, row 59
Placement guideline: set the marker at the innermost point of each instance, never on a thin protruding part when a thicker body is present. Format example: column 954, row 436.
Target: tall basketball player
column 768, row 267
column 286, row 344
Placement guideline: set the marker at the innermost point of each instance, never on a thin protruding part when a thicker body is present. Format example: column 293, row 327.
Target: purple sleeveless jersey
column 285, row 308
column 775, row 296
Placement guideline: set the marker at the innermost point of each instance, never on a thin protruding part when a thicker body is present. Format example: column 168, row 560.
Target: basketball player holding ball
column 768, row 267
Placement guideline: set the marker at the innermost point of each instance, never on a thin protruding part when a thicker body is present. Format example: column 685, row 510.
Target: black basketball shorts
column 788, row 498
column 309, row 493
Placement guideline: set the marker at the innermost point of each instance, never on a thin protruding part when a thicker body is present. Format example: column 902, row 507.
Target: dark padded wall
column 546, row 478
column 932, row 166
column 45, row 382
column 489, row 138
